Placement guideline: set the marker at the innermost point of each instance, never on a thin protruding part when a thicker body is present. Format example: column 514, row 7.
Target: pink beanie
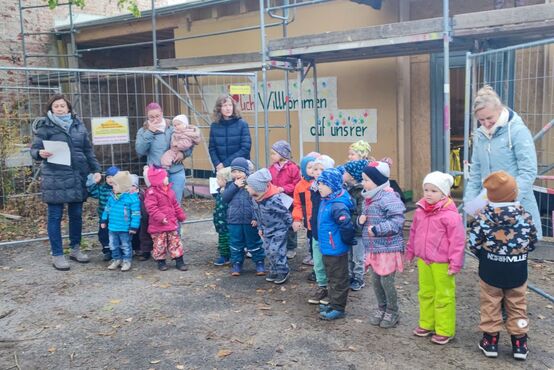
column 156, row 175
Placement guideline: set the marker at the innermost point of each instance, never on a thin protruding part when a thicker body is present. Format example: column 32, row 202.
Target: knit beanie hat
column 156, row 175
column 112, row 171
column 378, row 172
column 241, row 164
column 313, row 154
column 134, row 180
column 332, row 178
column 326, row 161
column 501, row 187
column 441, row 180
column 362, row 148
column 258, row 180
column 355, row 168
column 282, row 148
column 304, row 165
column 182, row 118
column 122, row 181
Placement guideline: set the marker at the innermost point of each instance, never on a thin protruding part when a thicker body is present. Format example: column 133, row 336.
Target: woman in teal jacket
column 502, row 142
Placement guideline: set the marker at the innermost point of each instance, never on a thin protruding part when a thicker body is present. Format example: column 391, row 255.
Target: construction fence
column 523, row 76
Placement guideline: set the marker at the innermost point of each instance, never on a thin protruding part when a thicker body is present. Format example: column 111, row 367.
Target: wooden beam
column 210, row 60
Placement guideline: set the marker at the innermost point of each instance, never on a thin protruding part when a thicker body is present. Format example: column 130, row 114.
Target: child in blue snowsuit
column 271, row 211
column 122, row 218
column 102, row 192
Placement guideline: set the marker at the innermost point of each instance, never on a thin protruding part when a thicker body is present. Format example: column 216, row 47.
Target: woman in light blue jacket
column 154, row 139
column 502, row 142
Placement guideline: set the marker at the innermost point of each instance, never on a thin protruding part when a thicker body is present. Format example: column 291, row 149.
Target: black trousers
column 338, row 285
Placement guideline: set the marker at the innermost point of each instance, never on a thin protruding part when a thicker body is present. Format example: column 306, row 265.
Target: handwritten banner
column 341, row 125
column 277, row 99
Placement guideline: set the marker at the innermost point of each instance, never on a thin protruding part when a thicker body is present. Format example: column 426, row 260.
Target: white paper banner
column 341, row 125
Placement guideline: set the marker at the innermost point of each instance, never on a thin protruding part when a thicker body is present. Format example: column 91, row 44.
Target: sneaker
column 519, row 347
column 260, row 268
column 318, row 296
column 489, row 345
column 323, row 308
column 324, row 300
column 236, row 269
column 126, row 266
column 291, row 253
column 332, row 315
column 356, row 285
column 60, row 263
column 311, row 276
column 420, row 332
column 270, row 277
column 221, row 261
column 440, row 339
column 107, row 254
column 180, row 264
column 308, row 260
column 377, row 317
column 114, row 264
column 390, row 319
column 77, row 255
column 281, row 278
column 162, row 266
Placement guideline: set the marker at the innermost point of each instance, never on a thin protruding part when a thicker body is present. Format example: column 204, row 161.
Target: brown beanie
column 501, row 187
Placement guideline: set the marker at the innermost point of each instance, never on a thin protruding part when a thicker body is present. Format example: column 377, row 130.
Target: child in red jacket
column 164, row 214
column 285, row 175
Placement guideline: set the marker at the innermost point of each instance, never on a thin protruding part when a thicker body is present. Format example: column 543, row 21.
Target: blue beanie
column 355, row 168
column 378, row 172
column 304, row 164
column 241, row 164
column 112, row 171
column 332, row 178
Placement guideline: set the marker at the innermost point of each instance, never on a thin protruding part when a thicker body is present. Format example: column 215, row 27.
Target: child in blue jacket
column 336, row 237
column 122, row 218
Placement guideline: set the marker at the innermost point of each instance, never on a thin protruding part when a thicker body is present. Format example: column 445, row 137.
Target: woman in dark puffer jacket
column 60, row 183
column 229, row 134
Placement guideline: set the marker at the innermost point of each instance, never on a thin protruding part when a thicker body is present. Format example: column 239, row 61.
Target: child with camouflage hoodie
column 501, row 236
column 102, row 192
column 122, row 217
column 271, row 211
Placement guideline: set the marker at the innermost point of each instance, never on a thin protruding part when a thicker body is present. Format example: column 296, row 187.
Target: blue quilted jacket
column 229, row 139
column 122, row 213
column 335, row 227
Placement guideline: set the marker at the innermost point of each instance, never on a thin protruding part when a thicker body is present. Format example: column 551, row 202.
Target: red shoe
column 420, row 332
column 440, row 339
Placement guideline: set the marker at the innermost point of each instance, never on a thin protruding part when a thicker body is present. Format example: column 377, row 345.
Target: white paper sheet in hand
column 478, row 203
column 60, row 152
column 287, row 201
column 213, row 185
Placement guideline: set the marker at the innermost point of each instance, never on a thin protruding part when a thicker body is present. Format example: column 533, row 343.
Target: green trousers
column 319, row 267
column 437, row 298
column 223, row 244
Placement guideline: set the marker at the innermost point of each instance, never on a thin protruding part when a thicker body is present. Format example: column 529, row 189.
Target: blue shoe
column 332, row 315
column 356, row 285
column 260, row 268
column 324, row 308
column 236, row 269
column 222, row 261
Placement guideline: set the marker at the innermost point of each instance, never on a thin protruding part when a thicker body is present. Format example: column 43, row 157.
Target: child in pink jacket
column 285, row 174
column 437, row 238
column 164, row 215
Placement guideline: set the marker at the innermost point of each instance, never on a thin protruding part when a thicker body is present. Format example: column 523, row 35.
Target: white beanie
column 441, row 180
column 182, row 118
column 326, row 161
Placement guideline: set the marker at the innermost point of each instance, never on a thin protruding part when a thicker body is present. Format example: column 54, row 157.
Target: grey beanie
column 258, row 180
column 282, row 148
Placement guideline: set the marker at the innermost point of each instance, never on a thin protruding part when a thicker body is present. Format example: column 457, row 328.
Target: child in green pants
column 220, row 218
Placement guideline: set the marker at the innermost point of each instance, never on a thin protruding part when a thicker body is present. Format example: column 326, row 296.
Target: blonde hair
column 224, row 174
column 217, row 108
column 486, row 97
column 362, row 148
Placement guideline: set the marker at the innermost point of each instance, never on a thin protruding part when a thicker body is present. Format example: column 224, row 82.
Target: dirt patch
column 92, row 318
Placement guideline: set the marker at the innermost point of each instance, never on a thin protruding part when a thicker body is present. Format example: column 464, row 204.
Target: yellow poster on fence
column 240, row 90
column 110, row 130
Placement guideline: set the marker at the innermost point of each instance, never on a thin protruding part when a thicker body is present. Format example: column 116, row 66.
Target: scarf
column 368, row 194
column 279, row 166
column 502, row 121
column 64, row 121
column 161, row 126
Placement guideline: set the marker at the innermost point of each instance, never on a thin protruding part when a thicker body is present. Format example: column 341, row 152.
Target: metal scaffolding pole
column 264, row 80
column 154, row 48
column 300, row 67
column 316, row 108
column 446, row 109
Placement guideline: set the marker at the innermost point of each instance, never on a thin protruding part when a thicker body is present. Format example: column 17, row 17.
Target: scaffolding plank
column 210, row 60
